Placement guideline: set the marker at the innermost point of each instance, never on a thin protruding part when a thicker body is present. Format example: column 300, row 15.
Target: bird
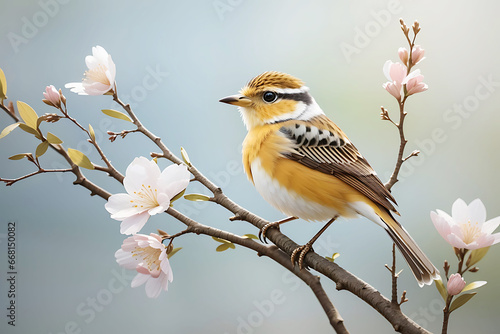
column 305, row 166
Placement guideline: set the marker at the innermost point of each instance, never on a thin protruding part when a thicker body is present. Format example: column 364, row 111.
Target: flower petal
column 133, row 224
column 125, row 259
column 491, row 225
column 141, row 172
column 441, row 225
column 139, row 280
column 173, row 180
column 154, row 286
column 455, row 241
column 460, row 211
column 477, row 211
column 118, row 202
column 156, row 209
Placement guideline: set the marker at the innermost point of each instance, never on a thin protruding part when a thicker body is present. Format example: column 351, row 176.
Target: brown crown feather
column 274, row 79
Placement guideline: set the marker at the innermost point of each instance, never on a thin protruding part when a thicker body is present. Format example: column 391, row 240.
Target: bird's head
column 274, row 97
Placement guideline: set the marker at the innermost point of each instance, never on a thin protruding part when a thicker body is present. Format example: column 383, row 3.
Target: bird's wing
column 321, row 145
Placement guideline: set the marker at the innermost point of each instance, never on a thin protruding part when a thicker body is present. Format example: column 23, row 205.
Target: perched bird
column 302, row 163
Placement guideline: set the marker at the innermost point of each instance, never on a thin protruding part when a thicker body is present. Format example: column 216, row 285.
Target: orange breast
column 265, row 143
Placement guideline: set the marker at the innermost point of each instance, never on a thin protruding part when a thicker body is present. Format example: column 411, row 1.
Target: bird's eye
column 269, row 97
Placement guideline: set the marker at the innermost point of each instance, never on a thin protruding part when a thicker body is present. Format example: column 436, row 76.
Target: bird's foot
column 263, row 231
column 301, row 252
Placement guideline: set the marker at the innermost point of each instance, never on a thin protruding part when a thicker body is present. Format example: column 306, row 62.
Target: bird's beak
column 237, row 100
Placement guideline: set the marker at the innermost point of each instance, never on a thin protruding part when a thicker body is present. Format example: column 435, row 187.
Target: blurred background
column 174, row 61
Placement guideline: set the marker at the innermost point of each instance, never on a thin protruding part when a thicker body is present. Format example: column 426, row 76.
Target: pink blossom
column 455, row 284
column 414, row 83
column 149, row 192
column 417, row 54
column 52, row 96
column 99, row 78
column 147, row 255
column 395, row 73
column 467, row 227
column 403, row 55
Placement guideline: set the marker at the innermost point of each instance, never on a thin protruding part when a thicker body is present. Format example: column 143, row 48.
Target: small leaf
column 116, row 114
column 474, row 285
column 28, row 115
column 176, row 197
column 197, row 197
column 461, row 300
column 441, row 289
column 92, row 133
column 53, row 139
column 18, row 156
column 476, row 255
column 221, row 240
column 222, row 247
column 80, row 159
column 30, row 130
column 250, row 236
column 334, row 256
column 41, row 149
column 185, row 157
column 172, row 253
column 3, row 86
column 8, row 130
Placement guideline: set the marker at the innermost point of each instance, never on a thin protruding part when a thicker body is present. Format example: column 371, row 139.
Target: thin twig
column 9, row 182
column 10, row 111
column 111, row 170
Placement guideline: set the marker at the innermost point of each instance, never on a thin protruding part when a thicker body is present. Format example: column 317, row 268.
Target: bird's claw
column 263, row 231
column 301, row 252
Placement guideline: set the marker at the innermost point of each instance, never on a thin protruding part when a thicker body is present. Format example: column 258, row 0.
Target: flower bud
column 455, row 284
column 417, row 54
column 403, row 55
column 52, row 97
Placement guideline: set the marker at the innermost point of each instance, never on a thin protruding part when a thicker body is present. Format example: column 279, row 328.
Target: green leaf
column 474, row 285
column 28, row 115
column 3, row 86
column 176, row 197
column 441, row 289
column 30, row 130
column 41, row 149
column 80, row 159
column 476, row 255
column 18, row 156
column 185, row 157
column 197, row 197
column 92, row 133
column 116, row 114
column 221, row 240
column 172, row 253
column 8, row 130
column 334, row 256
column 461, row 300
column 53, row 139
column 250, row 236
column 222, row 247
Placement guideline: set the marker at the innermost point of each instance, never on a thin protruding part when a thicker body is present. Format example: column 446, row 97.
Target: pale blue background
column 66, row 240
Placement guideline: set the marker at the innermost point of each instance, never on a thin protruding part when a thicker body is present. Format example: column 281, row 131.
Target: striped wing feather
column 322, row 146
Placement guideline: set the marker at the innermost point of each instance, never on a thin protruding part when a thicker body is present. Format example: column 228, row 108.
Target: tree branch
column 344, row 279
column 275, row 254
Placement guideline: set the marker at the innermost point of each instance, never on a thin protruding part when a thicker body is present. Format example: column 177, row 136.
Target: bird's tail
column 422, row 268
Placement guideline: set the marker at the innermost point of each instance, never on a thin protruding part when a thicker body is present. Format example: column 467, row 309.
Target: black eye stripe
column 302, row 97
